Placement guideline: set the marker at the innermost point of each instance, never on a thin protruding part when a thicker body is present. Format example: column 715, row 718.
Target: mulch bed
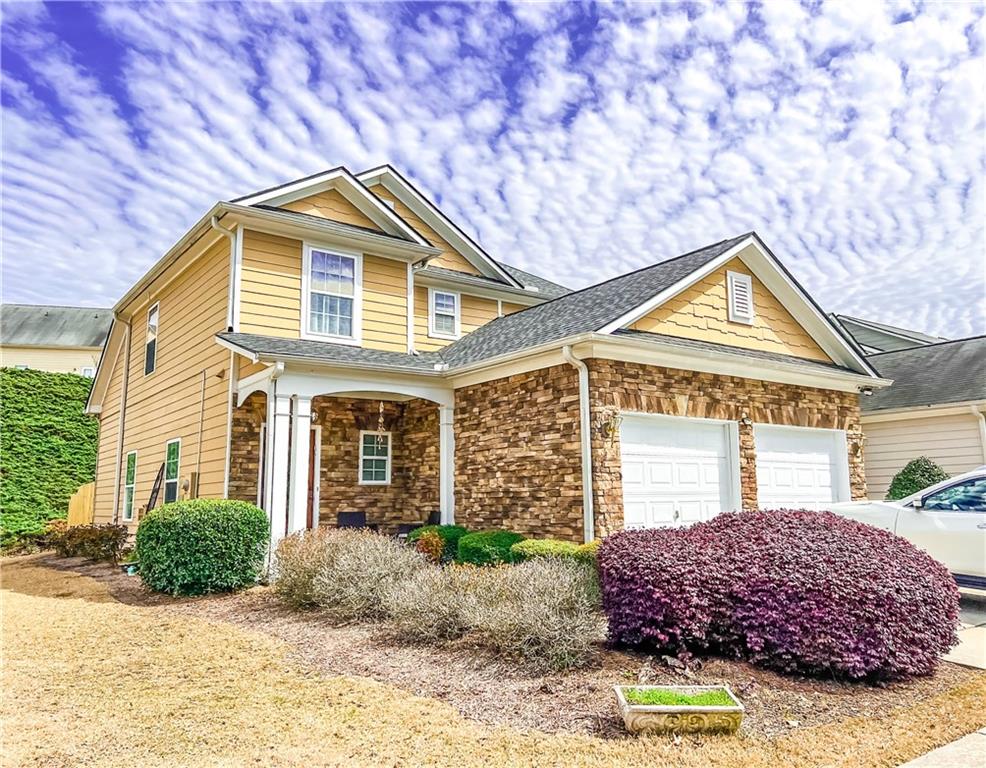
column 499, row 691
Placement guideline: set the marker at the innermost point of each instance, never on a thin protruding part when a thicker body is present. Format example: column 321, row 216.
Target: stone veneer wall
column 616, row 386
column 244, row 453
column 517, row 455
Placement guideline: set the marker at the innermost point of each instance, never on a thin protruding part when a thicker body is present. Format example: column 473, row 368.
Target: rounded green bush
column 487, row 547
column 916, row 476
column 450, row 535
column 532, row 549
column 202, row 545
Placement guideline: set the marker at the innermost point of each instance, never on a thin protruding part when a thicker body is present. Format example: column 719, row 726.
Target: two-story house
column 338, row 345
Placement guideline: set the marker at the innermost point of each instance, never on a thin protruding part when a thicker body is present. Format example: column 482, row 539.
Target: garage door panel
column 799, row 467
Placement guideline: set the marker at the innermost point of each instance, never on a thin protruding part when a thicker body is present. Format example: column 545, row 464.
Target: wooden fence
column 82, row 505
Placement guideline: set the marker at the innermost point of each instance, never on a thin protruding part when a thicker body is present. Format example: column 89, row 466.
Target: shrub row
column 794, row 590
column 94, row 542
column 532, row 549
column 545, row 611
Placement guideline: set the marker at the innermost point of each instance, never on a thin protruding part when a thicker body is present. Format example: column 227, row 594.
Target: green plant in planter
column 487, row 547
column 202, row 545
column 917, row 475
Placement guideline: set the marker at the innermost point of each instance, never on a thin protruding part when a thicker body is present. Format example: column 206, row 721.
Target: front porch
column 342, row 452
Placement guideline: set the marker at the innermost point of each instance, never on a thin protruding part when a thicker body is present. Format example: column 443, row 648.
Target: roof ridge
column 920, row 347
column 54, row 306
column 885, row 327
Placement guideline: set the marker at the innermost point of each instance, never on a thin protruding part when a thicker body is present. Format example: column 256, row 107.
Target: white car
column 947, row 520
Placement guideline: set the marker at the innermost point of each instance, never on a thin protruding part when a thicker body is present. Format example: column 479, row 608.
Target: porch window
column 129, row 480
column 172, row 460
column 374, row 458
column 332, row 294
column 150, row 343
column 443, row 315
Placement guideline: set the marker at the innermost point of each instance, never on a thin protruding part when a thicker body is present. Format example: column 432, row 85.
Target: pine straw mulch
column 98, row 671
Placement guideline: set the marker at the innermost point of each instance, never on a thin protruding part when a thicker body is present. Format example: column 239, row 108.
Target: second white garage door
column 800, row 468
column 676, row 471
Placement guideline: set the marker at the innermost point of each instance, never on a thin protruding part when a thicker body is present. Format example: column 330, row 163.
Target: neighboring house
column 60, row 339
column 878, row 337
column 935, row 408
column 337, row 344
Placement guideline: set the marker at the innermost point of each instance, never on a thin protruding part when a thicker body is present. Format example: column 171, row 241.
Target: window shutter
column 740, row 297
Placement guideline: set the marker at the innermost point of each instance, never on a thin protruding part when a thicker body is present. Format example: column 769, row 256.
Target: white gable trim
column 785, row 289
column 434, row 218
column 349, row 187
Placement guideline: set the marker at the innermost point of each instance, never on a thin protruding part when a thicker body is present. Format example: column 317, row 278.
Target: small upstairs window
column 443, row 314
column 88, row 371
column 740, row 297
column 150, row 344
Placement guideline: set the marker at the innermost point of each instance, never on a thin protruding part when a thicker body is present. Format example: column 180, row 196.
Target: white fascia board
column 108, row 360
column 472, row 288
column 434, row 218
column 658, row 299
column 287, row 225
column 349, row 187
column 923, row 411
column 242, row 351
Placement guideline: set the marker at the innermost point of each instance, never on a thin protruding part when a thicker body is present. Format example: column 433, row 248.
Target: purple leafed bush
column 792, row 590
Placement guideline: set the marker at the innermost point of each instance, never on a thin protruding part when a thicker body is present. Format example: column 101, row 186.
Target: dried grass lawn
column 92, row 681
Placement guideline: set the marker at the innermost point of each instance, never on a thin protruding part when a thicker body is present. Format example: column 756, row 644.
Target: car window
column 967, row 496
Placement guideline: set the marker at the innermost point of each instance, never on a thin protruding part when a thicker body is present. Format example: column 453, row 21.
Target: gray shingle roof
column 33, row 325
column 712, row 346
column 882, row 337
column 545, row 288
column 325, row 351
column 933, row 374
column 581, row 311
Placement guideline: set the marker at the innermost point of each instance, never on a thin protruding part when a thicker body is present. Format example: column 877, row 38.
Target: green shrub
column 487, row 547
column 47, row 448
column 343, row 572
column 916, row 476
column 202, row 545
column 532, row 549
column 450, row 535
column 94, row 542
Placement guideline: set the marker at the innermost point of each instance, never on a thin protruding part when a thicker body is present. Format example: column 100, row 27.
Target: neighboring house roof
column 880, row 337
column 932, row 374
column 32, row 325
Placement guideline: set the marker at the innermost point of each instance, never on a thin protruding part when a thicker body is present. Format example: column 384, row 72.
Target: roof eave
column 480, row 288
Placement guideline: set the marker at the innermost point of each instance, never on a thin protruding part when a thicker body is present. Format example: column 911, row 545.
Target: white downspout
column 122, row 416
column 588, row 519
column 982, row 428
column 231, row 293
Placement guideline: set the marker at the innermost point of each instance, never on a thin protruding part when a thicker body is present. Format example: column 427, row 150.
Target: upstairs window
column 88, row 371
column 172, row 462
column 443, row 314
column 129, row 481
column 150, row 344
column 374, row 458
column 332, row 294
column 740, row 297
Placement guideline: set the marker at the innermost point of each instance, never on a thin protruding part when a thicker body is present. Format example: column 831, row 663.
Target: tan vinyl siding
column 384, row 304
column 270, row 285
column 450, row 258
column 246, row 368
column 475, row 311
column 56, row 359
column 330, row 204
column 168, row 403
column 700, row 312
column 951, row 441
column 509, row 309
column 109, row 430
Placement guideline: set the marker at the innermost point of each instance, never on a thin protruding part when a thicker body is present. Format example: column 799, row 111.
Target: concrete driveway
column 971, row 650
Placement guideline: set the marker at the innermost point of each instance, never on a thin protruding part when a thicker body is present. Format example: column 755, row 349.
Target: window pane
column 171, row 461
column 150, row 353
column 332, row 273
column 445, row 303
column 152, row 320
column 131, row 467
column 969, row 496
column 128, row 503
column 170, row 491
column 445, row 324
column 331, row 315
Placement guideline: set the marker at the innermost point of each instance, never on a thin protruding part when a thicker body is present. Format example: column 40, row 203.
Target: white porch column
column 301, row 426
column 278, row 425
column 446, row 449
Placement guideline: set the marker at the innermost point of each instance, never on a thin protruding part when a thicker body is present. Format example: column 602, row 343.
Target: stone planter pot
column 663, row 718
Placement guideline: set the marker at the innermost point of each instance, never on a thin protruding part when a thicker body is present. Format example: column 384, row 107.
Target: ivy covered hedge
column 47, row 448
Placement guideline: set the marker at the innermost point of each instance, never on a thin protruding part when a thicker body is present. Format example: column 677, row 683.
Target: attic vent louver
column 740, row 297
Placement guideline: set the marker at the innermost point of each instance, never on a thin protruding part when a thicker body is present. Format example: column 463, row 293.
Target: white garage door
column 675, row 471
column 800, row 468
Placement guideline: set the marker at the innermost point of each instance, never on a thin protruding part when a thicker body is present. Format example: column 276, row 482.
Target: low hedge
column 450, row 535
column 917, row 475
column 94, row 542
column 487, row 547
column 793, row 590
column 533, row 549
column 202, row 545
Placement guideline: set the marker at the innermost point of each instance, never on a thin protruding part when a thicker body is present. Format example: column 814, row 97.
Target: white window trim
column 132, row 487
column 390, row 455
column 157, row 337
column 733, row 278
column 177, row 480
column 306, row 333
column 432, row 333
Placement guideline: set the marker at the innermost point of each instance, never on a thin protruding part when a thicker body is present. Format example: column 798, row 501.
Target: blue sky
column 578, row 141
